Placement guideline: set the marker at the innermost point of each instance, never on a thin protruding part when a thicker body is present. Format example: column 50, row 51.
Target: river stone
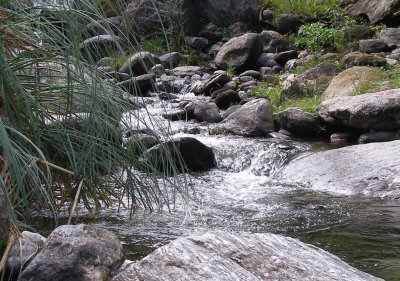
column 367, row 169
column 358, row 32
column 376, row 10
column 377, row 111
column 379, row 137
column 187, row 70
column 390, row 36
column 363, row 59
column 321, row 75
column 252, row 119
column 203, row 111
column 170, row 60
column 139, row 85
column 241, row 53
column 185, row 153
column 199, row 43
column 101, row 45
column 210, row 84
column 290, row 23
column 226, row 98
column 347, row 82
column 298, row 121
column 75, row 252
column 5, row 220
column 31, row 244
column 373, row 46
column 140, row 63
column 226, row 256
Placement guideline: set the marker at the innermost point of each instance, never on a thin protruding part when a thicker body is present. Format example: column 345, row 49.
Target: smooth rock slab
column 367, row 169
column 379, row 111
column 75, row 252
column 221, row 256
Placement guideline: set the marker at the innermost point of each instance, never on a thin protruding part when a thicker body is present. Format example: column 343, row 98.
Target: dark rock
column 238, row 28
column 176, row 115
column 358, row 32
column 363, row 59
column 284, row 57
column 119, row 76
column 378, row 111
column 185, row 153
column 244, row 79
column 293, row 89
column 247, row 85
column 171, row 84
column 104, row 26
column 368, row 169
column 100, row 46
column 227, row 256
column 290, row 23
column 252, row 119
column 241, row 53
column 106, row 61
column 158, row 70
column 226, row 12
column 203, row 111
column 226, row 98
column 140, row 142
column 253, row 73
column 230, row 110
column 210, row 84
column 140, row 63
column 167, row 96
column 278, row 46
column 298, row 121
column 374, row 46
column 379, row 137
column 170, row 60
column 212, row 36
column 231, row 85
column 376, row 10
column 340, row 139
column 390, row 36
column 76, row 252
column 199, row 43
column 267, row 36
column 138, row 86
column 187, row 70
column 266, row 60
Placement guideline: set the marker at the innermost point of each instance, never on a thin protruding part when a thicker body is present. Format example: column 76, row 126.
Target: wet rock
column 199, row 43
column 284, row 57
column 203, row 111
column 253, row 73
column 376, row 10
column 241, row 53
column 140, row 142
column 100, row 46
column 158, row 70
column 226, row 98
column 187, row 70
column 367, row 169
column 252, row 119
column 347, row 82
column 170, row 60
column 139, row 85
column 374, row 46
column 171, row 84
column 378, row 111
column 390, row 36
column 340, row 139
column 226, row 256
column 244, row 79
column 5, row 220
column 266, row 59
column 278, row 46
column 379, row 137
column 31, row 244
column 290, row 23
column 210, row 84
column 76, row 252
column 140, row 63
column 298, row 121
column 363, row 59
column 185, row 153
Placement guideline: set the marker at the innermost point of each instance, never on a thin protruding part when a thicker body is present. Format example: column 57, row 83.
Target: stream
column 242, row 195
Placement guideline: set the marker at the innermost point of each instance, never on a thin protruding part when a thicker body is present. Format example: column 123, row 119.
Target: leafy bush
column 318, row 36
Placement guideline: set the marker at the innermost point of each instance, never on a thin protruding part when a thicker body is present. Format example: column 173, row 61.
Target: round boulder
column 140, row 63
column 298, row 121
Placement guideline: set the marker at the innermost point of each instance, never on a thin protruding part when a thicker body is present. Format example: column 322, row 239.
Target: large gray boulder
column 76, row 252
column 253, row 119
column 376, row 10
column 241, row 53
column 139, row 63
column 377, row 111
column 368, row 169
column 298, row 121
column 390, row 36
column 221, row 256
column 203, row 111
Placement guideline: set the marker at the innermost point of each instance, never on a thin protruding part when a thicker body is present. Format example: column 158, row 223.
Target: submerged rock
column 368, row 169
column 229, row 256
column 76, row 252
column 183, row 153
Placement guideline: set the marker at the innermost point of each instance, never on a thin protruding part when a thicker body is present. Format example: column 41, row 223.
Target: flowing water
column 241, row 195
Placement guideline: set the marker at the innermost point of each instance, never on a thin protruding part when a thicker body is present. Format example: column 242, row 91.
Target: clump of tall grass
column 302, row 7
column 60, row 137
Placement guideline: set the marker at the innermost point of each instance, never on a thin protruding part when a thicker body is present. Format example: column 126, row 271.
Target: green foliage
column 303, row 7
column 272, row 92
column 318, row 36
